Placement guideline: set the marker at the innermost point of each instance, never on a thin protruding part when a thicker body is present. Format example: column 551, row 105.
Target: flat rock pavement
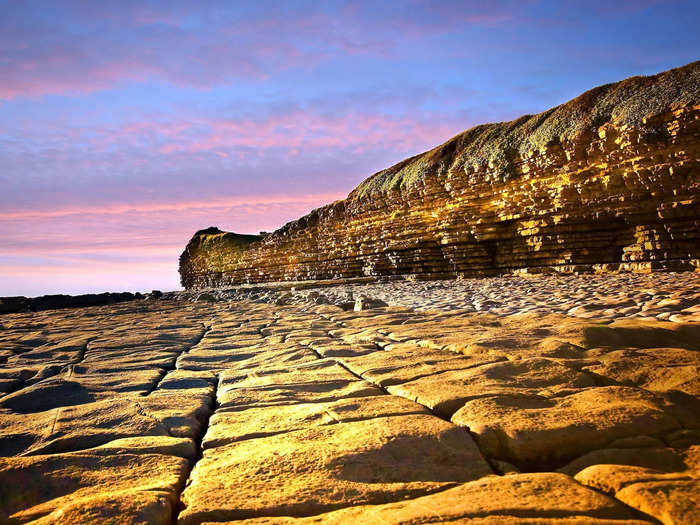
column 243, row 411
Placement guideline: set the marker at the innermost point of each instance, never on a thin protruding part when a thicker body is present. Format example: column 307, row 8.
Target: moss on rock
column 627, row 102
column 212, row 250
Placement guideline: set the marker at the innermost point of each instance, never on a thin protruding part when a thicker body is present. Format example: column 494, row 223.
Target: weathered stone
column 205, row 297
column 628, row 333
column 227, row 426
column 661, row 459
column 191, row 381
column 311, row 471
column 367, row 303
column 663, row 483
column 154, row 507
column 670, row 501
column 76, row 389
column 402, row 363
column 10, row 305
column 658, row 369
column 181, row 412
column 48, row 486
column 517, row 499
column 537, row 431
column 70, row 428
column 445, row 393
column 310, row 382
column 163, row 445
column 306, row 427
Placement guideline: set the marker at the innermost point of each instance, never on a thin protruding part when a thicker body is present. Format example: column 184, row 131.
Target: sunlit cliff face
column 125, row 129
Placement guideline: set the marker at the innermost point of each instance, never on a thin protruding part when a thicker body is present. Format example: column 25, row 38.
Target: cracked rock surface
column 266, row 411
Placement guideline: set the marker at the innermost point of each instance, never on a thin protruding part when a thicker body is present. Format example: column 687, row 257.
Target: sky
column 126, row 126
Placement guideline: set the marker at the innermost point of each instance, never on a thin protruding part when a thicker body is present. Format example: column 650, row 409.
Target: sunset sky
column 126, row 126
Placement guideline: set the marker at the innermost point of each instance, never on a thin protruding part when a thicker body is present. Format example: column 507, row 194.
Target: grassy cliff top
column 496, row 145
column 214, row 239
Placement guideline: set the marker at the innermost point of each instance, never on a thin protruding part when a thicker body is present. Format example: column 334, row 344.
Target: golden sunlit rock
column 318, row 415
column 605, row 182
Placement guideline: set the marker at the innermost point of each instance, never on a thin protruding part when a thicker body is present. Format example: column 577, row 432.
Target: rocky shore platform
column 555, row 399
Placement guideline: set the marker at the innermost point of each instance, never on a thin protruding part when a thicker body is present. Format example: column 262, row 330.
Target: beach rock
column 302, row 412
column 317, row 381
column 70, row 428
column 533, row 378
column 227, row 426
column 205, row 297
column 663, row 483
column 657, row 369
column 90, row 487
column 315, row 470
column 10, row 305
column 536, row 431
column 367, row 303
column 509, row 500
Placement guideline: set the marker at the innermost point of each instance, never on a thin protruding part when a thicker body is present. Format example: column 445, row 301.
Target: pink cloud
column 301, row 130
column 297, row 135
column 256, row 201
column 53, row 270
column 125, row 247
column 273, row 166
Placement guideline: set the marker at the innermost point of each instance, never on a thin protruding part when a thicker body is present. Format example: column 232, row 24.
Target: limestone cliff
column 607, row 181
column 211, row 252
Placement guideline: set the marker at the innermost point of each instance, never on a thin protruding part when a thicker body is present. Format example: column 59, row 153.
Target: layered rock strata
column 607, row 181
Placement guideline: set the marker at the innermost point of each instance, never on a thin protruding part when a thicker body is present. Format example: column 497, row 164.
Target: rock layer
column 608, row 181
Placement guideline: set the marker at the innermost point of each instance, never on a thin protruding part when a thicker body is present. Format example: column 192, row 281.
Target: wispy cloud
column 199, row 206
column 302, row 129
column 122, row 246
column 205, row 157
column 81, row 48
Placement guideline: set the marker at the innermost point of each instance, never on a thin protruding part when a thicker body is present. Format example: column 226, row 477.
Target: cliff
column 211, row 252
column 608, row 181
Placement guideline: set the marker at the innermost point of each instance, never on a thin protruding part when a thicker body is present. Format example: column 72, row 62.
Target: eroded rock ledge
column 608, row 181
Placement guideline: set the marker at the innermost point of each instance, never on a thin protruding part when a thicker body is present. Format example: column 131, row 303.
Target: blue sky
column 126, row 126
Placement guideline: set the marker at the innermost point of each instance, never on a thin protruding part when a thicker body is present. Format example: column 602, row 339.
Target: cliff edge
column 211, row 252
column 607, row 181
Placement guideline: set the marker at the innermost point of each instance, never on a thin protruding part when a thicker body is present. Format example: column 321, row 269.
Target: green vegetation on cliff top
column 214, row 238
column 496, row 145
column 212, row 247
